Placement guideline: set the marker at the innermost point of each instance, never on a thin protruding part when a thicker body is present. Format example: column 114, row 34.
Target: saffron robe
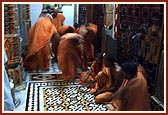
column 70, row 55
column 58, row 23
column 38, row 48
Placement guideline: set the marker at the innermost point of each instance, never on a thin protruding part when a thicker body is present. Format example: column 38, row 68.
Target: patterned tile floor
column 57, row 95
column 22, row 96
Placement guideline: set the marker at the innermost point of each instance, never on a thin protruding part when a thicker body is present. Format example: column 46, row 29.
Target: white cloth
column 8, row 99
column 49, row 16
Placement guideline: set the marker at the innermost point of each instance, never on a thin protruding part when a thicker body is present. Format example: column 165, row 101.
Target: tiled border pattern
column 60, row 96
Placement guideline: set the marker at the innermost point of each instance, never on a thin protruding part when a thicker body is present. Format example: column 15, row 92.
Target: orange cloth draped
column 69, row 55
column 88, row 51
column 95, row 69
column 135, row 96
column 65, row 29
column 92, row 31
column 132, row 94
column 88, row 38
column 58, row 20
column 89, row 76
column 38, row 44
column 104, row 80
column 61, row 31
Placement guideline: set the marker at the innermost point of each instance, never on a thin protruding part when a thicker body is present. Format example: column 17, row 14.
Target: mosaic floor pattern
column 47, row 76
column 43, row 77
column 57, row 95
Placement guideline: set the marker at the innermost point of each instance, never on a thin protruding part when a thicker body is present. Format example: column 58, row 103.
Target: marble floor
column 21, row 95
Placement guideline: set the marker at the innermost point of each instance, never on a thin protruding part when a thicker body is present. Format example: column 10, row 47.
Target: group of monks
column 71, row 45
column 124, row 87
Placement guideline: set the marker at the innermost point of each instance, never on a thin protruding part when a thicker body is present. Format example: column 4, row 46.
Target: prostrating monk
column 38, row 48
column 55, row 40
column 70, row 55
column 133, row 95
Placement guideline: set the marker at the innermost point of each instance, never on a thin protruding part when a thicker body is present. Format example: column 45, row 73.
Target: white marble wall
column 35, row 10
column 68, row 12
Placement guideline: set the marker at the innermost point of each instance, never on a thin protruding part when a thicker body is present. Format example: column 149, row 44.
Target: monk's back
column 135, row 95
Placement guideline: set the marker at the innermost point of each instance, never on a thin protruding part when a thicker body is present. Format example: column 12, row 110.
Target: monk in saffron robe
column 55, row 40
column 96, row 66
column 105, row 78
column 67, row 50
column 89, row 33
column 38, row 48
column 66, row 29
column 133, row 95
column 70, row 55
column 87, row 77
column 58, row 20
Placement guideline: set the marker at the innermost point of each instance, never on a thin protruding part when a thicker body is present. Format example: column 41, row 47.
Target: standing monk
column 38, row 48
column 58, row 20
